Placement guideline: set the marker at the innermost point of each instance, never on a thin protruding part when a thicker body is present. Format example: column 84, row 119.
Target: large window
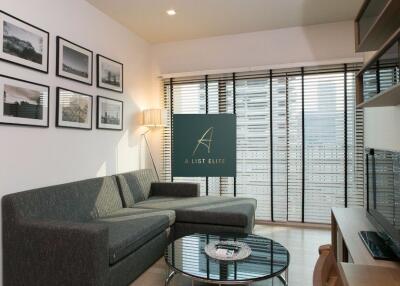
column 299, row 138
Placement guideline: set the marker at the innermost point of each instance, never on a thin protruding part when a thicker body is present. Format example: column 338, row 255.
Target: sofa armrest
column 56, row 253
column 175, row 189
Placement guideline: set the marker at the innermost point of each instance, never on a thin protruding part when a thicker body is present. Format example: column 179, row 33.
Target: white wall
column 294, row 46
column 34, row 157
column 381, row 128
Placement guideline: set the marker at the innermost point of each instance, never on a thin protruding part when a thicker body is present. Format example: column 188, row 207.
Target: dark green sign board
column 204, row 145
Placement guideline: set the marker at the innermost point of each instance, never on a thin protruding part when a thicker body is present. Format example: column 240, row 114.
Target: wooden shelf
column 367, row 275
column 381, row 29
column 395, row 37
column 349, row 222
column 389, row 97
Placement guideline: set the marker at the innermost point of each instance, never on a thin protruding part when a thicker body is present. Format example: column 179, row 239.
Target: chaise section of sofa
column 206, row 214
column 79, row 234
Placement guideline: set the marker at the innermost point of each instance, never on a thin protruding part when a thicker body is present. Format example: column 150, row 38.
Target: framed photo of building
column 74, row 62
column 73, row 109
column 110, row 113
column 110, row 74
column 23, row 44
column 23, row 102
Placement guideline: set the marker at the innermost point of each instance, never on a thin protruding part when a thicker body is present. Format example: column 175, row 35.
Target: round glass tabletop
column 187, row 256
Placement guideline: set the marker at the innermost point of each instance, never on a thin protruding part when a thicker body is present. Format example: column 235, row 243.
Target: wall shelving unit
column 378, row 81
column 376, row 21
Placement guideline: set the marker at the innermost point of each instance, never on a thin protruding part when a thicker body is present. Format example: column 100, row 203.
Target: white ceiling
column 207, row 18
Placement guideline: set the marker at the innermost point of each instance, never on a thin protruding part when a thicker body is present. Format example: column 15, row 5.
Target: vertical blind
column 299, row 138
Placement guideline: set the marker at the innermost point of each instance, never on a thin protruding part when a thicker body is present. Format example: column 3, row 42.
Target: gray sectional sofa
column 107, row 231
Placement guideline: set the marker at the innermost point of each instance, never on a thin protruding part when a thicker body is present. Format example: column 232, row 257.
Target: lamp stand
column 151, row 156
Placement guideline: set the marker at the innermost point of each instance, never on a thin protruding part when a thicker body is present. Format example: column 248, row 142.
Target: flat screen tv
column 383, row 204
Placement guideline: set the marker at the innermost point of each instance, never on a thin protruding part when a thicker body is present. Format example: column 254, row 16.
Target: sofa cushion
column 78, row 201
column 133, row 213
column 127, row 234
column 135, row 186
column 207, row 210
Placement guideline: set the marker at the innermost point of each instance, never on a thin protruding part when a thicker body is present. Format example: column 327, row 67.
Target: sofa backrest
column 135, row 186
column 77, row 201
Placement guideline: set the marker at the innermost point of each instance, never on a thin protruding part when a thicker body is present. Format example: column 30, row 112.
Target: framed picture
column 110, row 113
column 110, row 74
column 74, row 62
column 74, row 109
column 23, row 44
column 23, row 102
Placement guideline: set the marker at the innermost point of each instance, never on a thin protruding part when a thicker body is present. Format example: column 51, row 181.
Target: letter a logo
column 205, row 140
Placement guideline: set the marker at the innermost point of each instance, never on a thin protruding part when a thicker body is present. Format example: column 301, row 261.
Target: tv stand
column 377, row 246
column 355, row 263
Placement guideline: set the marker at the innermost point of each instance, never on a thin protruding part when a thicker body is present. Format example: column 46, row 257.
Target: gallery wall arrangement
column 27, row 103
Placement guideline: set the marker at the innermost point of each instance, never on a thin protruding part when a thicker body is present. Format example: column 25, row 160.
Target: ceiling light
column 171, row 12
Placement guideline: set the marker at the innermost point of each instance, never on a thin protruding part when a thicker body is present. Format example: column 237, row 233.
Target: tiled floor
column 302, row 244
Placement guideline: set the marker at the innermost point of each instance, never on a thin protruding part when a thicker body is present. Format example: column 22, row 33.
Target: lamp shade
column 152, row 117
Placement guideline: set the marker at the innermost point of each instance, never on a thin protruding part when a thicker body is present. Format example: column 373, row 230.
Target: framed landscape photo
column 110, row 113
column 23, row 102
column 73, row 109
column 110, row 74
column 74, row 62
column 23, row 44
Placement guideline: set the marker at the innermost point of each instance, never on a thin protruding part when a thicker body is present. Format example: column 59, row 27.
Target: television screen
column 384, row 194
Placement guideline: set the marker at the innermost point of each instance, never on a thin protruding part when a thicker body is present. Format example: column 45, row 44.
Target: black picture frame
column 48, row 103
column 58, row 125
column 64, row 74
column 46, row 45
column 98, row 113
column 98, row 75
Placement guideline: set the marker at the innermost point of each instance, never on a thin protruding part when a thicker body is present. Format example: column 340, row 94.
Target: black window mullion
column 287, row 147
column 206, row 91
column 234, row 112
column 271, row 146
column 302, row 146
column 171, row 113
column 378, row 78
column 345, row 137
column 222, row 108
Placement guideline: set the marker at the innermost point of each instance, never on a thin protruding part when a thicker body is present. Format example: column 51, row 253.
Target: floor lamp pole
column 151, row 156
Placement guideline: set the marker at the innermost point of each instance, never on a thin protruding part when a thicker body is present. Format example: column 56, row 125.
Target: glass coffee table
column 268, row 262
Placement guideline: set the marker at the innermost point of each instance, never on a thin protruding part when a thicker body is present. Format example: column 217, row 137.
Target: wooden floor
column 302, row 244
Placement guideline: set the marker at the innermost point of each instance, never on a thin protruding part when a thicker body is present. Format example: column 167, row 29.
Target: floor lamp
column 151, row 118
